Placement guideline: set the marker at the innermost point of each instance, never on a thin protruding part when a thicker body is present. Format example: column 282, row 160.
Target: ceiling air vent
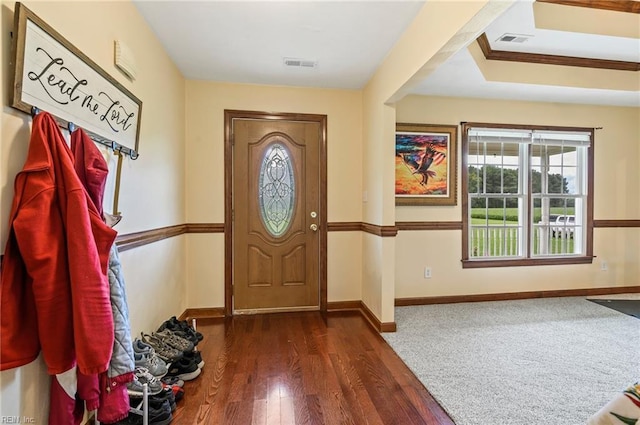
column 300, row 63
column 514, row 38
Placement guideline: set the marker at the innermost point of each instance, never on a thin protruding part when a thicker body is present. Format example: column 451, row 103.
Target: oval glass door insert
column 276, row 190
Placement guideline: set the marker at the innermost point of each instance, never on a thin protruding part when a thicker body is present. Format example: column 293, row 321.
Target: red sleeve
column 19, row 340
column 89, row 390
column 40, row 236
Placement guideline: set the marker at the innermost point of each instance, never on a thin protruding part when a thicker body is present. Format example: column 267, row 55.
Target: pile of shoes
column 164, row 360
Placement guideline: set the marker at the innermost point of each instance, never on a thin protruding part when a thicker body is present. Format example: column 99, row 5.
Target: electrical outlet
column 604, row 266
column 427, row 272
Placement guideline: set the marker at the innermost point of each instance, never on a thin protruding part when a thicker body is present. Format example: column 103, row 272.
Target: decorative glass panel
column 276, row 190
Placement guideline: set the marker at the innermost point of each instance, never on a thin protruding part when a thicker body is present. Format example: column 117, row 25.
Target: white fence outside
column 505, row 241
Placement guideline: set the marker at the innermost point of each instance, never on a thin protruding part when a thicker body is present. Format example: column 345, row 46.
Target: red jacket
column 54, row 292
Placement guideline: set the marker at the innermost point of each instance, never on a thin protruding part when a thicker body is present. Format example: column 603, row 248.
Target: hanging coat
column 54, row 292
column 113, row 403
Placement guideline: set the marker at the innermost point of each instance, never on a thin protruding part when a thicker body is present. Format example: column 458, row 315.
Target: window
column 276, row 190
column 526, row 195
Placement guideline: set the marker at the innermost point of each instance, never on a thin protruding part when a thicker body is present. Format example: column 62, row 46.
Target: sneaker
column 142, row 347
column 172, row 381
column 156, row 415
column 166, row 394
column 173, row 340
column 141, row 377
column 195, row 356
column 178, row 393
column 164, row 351
column 189, row 336
column 130, row 420
column 156, row 400
column 180, row 325
column 156, row 366
column 184, row 369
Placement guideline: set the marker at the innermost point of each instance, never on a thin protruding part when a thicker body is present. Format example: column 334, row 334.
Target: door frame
column 229, row 116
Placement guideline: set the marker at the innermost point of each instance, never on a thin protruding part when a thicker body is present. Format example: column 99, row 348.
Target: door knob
column 314, row 227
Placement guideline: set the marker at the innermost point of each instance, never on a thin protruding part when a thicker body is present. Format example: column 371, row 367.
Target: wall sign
column 54, row 76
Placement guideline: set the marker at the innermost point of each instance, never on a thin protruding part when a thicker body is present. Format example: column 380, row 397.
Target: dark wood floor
column 301, row 368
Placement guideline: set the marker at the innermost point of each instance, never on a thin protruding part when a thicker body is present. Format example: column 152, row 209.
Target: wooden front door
column 277, row 211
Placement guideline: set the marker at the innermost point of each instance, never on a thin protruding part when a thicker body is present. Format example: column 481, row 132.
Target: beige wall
column 205, row 105
column 617, row 196
column 438, row 31
column 152, row 190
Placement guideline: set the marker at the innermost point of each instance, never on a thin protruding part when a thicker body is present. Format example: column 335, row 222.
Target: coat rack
column 114, row 146
column 118, row 149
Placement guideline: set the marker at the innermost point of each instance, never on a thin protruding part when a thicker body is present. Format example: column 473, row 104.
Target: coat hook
column 71, row 126
column 133, row 154
column 34, row 111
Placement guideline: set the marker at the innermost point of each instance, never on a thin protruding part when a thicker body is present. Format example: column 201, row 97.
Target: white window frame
column 533, row 239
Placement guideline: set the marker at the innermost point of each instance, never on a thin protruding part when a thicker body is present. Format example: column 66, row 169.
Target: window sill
column 478, row 264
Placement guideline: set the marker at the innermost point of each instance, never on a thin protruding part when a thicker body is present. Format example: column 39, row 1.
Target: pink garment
column 62, row 405
column 114, row 399
column 68, row 394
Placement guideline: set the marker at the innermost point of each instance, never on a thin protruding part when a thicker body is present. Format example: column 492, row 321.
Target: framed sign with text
column 52, row 75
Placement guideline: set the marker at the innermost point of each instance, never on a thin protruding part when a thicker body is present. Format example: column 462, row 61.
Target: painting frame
column 419, row 147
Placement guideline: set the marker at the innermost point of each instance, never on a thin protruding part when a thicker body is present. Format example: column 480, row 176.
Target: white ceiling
column 247, row 41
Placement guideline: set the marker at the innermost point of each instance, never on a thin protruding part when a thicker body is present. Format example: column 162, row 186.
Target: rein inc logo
column 17, row 420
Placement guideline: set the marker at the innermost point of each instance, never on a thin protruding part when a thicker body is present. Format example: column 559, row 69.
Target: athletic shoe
column 178, row 393
column 132, row 419
column 166, row 395
column 174, row 324
column 189, row 336
column 156, row 400
column 141, row 347
column 144, row 352
column 195, row 356
column 184, row 369
column 156, row 366
column 174, row 341
column 164, row 351
column 157, row 415
column 172, row 381
column 141, row 377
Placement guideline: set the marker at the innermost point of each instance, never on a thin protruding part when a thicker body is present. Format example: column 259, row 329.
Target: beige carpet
column 553, row 361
